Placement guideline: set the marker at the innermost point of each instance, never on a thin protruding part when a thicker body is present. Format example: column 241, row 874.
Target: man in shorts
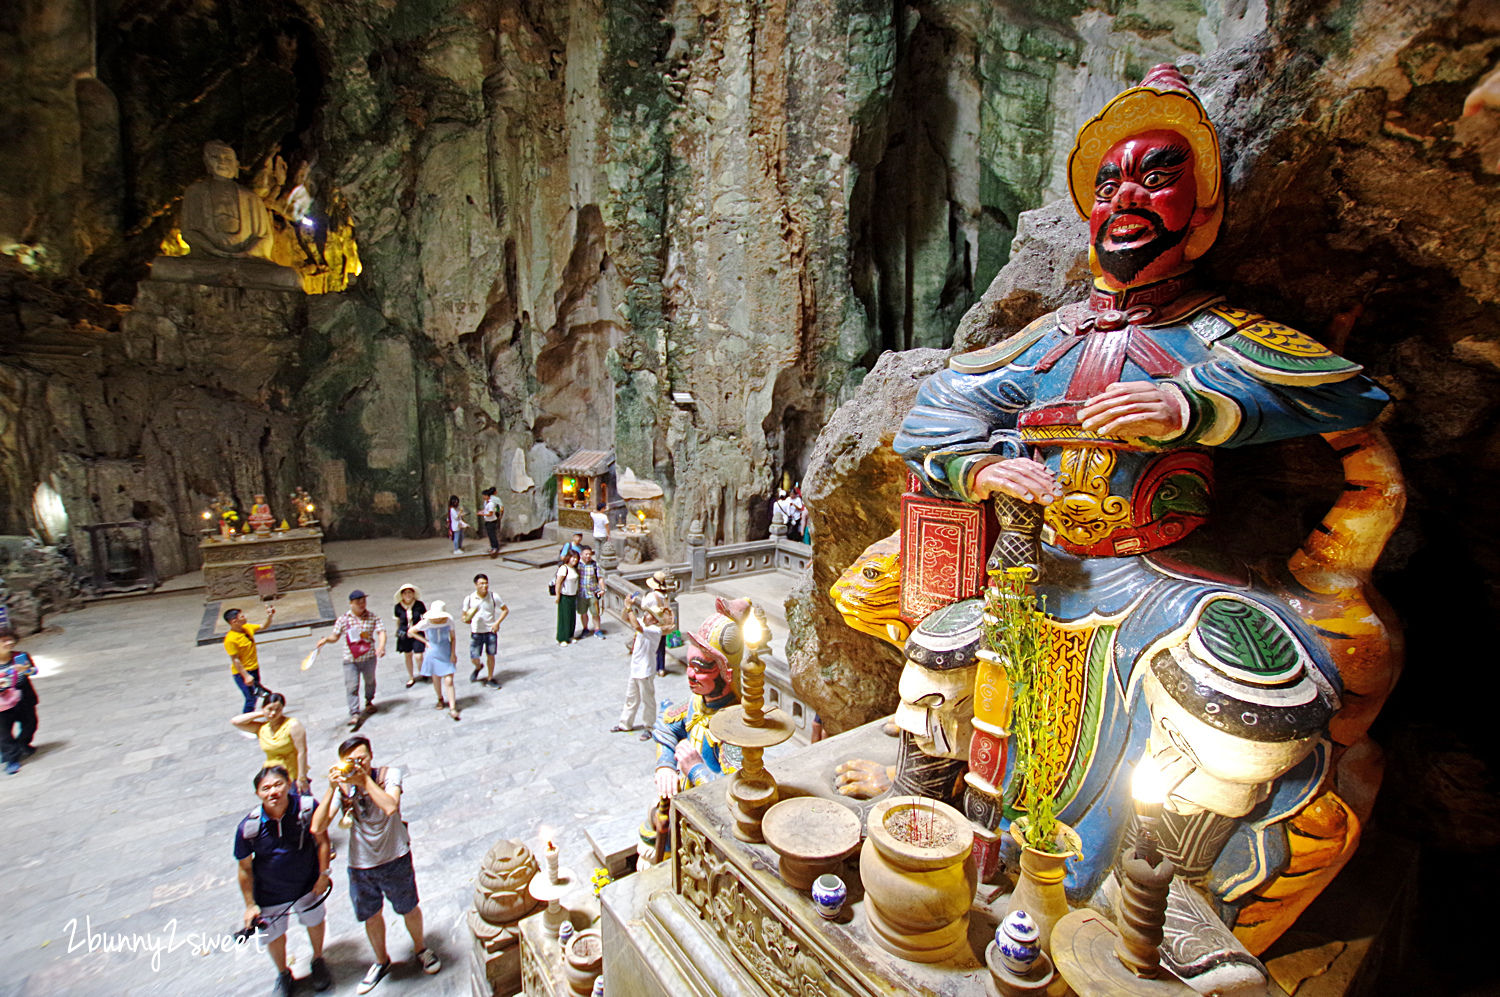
column 244, row 661
column 483, row 613
column 284, row 871
column 380, row 866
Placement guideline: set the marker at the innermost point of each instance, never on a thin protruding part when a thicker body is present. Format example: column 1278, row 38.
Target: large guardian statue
column 1252, row 693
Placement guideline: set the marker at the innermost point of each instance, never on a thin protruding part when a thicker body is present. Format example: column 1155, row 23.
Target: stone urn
column 918, row 878
column 583, row 961
column 1039, row 889
column 500, row 902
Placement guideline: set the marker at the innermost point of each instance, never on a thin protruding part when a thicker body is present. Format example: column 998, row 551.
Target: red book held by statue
column 944, row 545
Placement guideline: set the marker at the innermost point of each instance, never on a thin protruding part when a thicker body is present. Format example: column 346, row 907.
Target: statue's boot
column 1321, row 837
column 1200, row 951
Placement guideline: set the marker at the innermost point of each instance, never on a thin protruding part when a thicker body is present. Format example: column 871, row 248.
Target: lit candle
column 550, row 854
column 1147, row 878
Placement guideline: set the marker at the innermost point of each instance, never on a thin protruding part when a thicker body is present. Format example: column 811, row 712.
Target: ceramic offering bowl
column 1016, row 940
column 829, row 894
column 812, row 836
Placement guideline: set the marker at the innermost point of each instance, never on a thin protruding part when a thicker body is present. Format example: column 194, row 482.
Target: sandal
column 410, row 683
column 441, row 705
column 453, row 714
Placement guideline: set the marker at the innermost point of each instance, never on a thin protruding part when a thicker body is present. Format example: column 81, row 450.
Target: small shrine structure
column 582, row 481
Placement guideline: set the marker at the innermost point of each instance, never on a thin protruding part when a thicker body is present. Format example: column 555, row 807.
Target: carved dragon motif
column 868, row 593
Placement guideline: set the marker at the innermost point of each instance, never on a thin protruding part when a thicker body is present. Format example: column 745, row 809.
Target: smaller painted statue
column 260, row 519
column 687, row 754
column 306, row 511
column 935, row 718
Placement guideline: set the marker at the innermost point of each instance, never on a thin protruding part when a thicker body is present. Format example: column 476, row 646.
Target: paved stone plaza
column 120, row 829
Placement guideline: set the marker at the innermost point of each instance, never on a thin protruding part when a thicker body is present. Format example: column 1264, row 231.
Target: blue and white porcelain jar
column 1016, row 940
column 829, row 894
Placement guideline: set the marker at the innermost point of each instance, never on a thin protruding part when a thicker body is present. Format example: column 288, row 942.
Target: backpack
column 306, row 805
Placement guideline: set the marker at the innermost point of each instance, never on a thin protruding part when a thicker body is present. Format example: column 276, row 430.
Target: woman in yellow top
column 282, row 738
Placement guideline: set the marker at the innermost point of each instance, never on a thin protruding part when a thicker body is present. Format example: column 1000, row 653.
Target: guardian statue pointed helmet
column 1162, row 100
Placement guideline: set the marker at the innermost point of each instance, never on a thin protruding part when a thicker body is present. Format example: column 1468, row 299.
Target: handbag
column 552, row 587
column 358, row 648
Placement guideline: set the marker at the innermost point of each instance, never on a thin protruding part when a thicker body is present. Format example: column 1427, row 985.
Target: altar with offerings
column 283, row 560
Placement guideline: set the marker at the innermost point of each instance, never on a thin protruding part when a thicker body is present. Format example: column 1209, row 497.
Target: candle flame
column 1147, row 784
column 755, row 631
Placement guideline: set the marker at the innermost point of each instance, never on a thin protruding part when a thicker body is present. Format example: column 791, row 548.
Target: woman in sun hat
column 409, row 610
column 435, row 630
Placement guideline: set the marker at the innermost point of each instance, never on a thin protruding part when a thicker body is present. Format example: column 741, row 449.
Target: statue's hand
column 1135, row 408
column 863, row 779
column 666, row 783
column 1018, row 477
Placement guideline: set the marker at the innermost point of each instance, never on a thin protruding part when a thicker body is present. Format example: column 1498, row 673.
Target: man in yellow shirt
column 239, row 644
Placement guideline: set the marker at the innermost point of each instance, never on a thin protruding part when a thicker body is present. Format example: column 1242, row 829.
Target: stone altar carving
column 296, row 557
column 1253, row 692
column 227, row 228
column 500, row 902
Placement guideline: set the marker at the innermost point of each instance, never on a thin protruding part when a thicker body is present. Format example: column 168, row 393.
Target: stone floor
column 119, row 831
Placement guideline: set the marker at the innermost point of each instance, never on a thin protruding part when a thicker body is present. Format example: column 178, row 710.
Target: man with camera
column 284, row 871
column 380, row 866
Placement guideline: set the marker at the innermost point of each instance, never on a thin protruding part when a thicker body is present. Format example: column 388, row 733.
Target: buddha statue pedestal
column 717, row 919
column 212, row 271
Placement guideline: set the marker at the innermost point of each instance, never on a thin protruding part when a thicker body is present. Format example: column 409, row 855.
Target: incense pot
column 918, row 879
column 583, row 961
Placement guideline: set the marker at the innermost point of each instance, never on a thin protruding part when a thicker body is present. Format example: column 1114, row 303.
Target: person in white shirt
column 657, row 602
column 640, row 690
column 601, row 525
column 489, row 514
column 483, row 613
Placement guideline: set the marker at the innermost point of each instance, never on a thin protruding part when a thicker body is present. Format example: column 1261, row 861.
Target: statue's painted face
column 1145, row 204
column 705, row 678
column 937, row 709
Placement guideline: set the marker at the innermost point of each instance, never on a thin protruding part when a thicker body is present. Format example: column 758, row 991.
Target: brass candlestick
column 751, row 728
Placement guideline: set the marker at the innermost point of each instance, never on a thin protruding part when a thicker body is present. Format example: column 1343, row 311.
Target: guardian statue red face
column 1145, row 206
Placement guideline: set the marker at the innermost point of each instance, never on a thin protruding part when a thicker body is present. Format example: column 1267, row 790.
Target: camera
column 249, row 930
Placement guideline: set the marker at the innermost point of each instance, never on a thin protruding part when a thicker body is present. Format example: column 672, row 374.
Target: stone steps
column 54, row 345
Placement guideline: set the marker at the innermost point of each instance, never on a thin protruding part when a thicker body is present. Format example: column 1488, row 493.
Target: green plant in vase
column 1016, row 632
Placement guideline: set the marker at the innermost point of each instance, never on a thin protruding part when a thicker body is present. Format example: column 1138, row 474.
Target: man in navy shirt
column 284, row 871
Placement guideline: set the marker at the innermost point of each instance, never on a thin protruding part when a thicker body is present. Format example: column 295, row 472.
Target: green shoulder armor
column 988, row 358
column 1269, row 350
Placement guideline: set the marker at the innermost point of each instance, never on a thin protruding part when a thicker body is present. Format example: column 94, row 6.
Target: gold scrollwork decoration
column 756, row 934
column 1087, row 511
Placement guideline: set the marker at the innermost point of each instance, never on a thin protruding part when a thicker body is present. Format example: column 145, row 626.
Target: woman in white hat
column 409, row 610
column 435, row 630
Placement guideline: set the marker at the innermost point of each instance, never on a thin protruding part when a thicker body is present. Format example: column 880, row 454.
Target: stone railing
column 706, row 565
